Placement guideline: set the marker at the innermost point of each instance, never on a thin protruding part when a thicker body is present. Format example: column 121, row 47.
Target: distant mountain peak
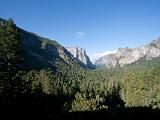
column 96, row 56
column 127, row 55
column 80, row 55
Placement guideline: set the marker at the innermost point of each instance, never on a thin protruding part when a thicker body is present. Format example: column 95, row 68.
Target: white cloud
column 80, row 34
column 96, row 56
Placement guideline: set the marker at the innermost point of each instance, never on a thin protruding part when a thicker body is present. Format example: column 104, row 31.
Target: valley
column 41, row 78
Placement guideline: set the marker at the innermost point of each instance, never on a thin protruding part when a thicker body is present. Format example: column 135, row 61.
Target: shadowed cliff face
column 43, row 53
column 125, row 56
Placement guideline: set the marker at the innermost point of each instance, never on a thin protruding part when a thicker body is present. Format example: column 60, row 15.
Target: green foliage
column 63, row 85
column 82, row 103
column 40, row 80
column 10, row 57
column 156, row 101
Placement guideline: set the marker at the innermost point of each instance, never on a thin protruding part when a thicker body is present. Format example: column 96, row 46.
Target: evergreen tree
column 10, row 57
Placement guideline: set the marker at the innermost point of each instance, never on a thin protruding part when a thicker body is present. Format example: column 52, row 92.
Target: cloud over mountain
column 96, row 56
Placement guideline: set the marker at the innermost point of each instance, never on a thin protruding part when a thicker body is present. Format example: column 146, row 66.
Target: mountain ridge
column 96, row 56
column 43, row 53
column 127, row 55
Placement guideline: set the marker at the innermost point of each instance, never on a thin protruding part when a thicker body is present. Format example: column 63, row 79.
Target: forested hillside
column 38, row 77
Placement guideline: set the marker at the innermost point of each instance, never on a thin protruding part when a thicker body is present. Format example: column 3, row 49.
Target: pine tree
column 10, row 57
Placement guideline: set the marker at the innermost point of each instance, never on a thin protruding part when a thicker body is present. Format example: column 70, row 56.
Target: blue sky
column 96, row 25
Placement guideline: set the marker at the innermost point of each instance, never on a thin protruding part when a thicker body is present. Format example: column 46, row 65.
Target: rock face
column 80, row 55
column 127, row 55
column 42, row 53
column 96, row 56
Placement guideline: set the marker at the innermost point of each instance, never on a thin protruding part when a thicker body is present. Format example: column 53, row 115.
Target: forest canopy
column 72, row 88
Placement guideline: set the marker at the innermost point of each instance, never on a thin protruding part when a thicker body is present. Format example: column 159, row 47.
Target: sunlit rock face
column 80, row 54
column 127, row 55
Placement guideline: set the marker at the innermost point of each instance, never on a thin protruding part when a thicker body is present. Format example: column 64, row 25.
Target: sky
column 95, row 25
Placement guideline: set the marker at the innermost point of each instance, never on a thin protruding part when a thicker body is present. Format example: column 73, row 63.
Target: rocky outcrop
column 127, row 55
column 42, row 53
column 80, row 55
